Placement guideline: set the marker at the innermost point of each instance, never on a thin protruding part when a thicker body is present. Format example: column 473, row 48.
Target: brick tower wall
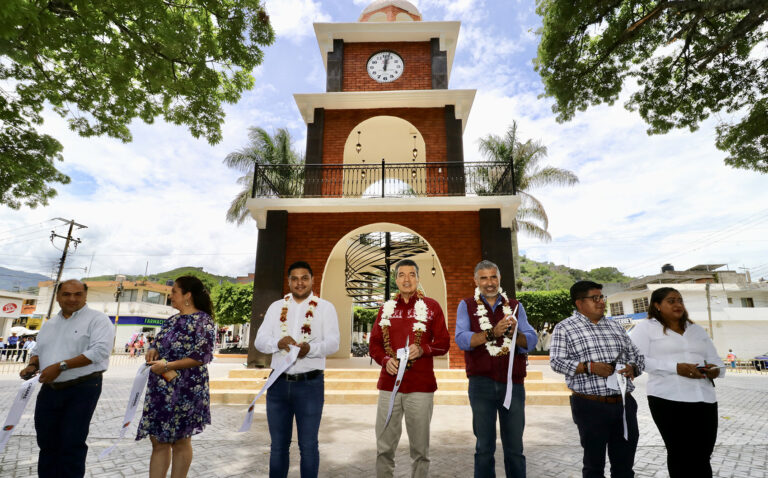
column 454, row 236
column 417, row 63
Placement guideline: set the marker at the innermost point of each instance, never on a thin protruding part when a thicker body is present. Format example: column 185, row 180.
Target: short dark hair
column 406, row 262
column 58, row 286
column 579, row 289
column 300, row 265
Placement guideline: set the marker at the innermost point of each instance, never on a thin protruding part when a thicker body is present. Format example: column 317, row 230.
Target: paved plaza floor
column 347, row 443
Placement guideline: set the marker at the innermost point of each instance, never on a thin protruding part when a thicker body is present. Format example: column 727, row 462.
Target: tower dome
column 390, row 11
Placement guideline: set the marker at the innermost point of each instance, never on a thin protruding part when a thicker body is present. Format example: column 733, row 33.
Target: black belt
column 300, row 377
column 600, row 398
column 74, row 381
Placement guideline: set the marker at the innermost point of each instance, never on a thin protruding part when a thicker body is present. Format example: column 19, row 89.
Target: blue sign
column 138, row 320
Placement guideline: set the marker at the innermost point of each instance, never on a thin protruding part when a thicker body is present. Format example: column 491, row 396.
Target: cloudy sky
column 642, row 201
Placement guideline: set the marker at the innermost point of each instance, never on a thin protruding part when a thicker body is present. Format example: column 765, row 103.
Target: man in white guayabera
column 303, row 320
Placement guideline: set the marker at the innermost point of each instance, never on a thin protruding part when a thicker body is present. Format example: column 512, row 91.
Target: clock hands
column 386, row 60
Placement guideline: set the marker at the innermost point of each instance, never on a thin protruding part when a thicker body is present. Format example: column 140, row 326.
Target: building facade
column 384, row 176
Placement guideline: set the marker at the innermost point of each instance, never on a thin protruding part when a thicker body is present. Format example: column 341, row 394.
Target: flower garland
column 419, row 326
column 306, row 327
column 485, row 324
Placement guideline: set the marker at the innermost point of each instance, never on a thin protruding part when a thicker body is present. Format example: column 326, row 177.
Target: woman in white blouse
column 682, row 363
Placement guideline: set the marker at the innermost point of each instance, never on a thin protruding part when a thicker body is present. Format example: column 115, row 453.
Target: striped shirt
column 576, row 339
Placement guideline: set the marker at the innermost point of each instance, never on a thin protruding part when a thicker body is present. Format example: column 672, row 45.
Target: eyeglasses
column 595, row 298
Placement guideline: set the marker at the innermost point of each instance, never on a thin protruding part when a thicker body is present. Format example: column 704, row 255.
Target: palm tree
column 262, row 149
column 531, row 218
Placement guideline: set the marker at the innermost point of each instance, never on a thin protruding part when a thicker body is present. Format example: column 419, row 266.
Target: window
column 747, row 302
column 129, row 295
column 153, row 297
column 730, row 300
column 617, row 308
column 640, row 305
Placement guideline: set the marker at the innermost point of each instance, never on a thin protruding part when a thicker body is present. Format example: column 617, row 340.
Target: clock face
column 385, row 66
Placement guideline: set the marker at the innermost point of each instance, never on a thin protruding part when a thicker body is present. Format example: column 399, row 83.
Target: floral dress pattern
column 180, row 408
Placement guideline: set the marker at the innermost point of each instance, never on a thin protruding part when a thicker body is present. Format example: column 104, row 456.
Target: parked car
column 761, row 362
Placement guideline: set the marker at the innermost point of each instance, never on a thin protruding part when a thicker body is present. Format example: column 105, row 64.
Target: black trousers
column 689, row 430
column 601, row 426
column 62, row 420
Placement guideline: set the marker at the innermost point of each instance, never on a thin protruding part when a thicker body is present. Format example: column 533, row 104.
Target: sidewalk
column 347, row 442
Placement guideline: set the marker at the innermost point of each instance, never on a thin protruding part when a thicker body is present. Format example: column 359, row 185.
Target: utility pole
column 69, row 240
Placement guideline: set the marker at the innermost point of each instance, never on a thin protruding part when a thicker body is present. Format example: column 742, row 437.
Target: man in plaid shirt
column 588, row 348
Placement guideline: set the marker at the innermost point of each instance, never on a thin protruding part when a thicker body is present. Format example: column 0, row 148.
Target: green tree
column 690, row 59
column 263, row 149
column 363, row 318
column 232, row 303
column 102, row 64
column 531, row 218
column 545, row 308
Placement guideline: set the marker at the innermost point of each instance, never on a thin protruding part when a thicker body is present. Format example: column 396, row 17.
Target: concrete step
column 370, row 397
column 446, row 384
column 366, row 373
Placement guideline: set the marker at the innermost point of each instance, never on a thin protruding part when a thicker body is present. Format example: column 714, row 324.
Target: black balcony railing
column 383, row 180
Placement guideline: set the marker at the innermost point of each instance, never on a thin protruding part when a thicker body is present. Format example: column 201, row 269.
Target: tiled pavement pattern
column 347, row 444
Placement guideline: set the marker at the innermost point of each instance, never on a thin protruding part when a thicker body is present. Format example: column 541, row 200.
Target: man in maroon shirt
column 418, row 320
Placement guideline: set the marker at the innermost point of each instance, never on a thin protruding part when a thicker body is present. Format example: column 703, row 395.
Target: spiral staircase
column 368, row 259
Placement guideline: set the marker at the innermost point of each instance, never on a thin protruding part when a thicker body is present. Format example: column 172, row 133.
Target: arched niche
column 389, row 138
column 332, row 287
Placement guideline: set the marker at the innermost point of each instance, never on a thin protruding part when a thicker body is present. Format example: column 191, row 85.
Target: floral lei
column 306, row 327
column 419, row 326
column 485, row 324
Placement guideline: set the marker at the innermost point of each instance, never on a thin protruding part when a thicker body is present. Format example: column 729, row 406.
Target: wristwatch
column 63, row 365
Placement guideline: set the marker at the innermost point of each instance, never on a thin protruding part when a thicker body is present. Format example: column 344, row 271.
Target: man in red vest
column 485, row 324
column 418, row 320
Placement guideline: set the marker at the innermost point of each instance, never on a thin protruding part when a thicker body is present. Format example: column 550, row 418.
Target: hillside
column 209, row 279
column 549, row 276
column 12, row 280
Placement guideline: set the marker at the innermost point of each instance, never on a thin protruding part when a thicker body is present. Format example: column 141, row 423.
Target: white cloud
column 294, row 18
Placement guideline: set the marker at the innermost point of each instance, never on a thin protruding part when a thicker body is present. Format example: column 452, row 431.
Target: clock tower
column 384, row 177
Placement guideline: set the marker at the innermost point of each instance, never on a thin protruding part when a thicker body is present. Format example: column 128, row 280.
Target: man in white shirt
column 306, row 321
column 71, row 354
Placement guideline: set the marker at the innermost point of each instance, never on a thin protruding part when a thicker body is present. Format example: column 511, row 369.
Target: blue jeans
column 304, row 400
column 62, row 420
column 486, row 398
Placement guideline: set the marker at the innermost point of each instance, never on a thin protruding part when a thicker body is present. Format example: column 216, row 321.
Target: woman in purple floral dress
column 177, row 404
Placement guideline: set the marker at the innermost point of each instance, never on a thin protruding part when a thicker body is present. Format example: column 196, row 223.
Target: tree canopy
column 232, row 303
column 690, row 60
column 102, row 64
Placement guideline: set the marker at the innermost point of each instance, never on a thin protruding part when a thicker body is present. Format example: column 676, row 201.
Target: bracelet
column 589, row 368
column 165, row 365
column 489, row 336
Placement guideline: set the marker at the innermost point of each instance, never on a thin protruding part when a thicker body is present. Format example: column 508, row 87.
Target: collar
column 499, row 300
column 305, row 301
column 583, row 317
column 74, row 314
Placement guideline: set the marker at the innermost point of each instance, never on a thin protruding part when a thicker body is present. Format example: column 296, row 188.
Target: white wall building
column 739, row 309
column 143, row 306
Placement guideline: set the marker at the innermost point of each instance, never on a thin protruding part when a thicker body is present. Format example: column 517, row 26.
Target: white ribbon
column 402, row 356
column 17, row 408
column 618, row 382
column 508, row 393
column 139, row 382
column 277, row 370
